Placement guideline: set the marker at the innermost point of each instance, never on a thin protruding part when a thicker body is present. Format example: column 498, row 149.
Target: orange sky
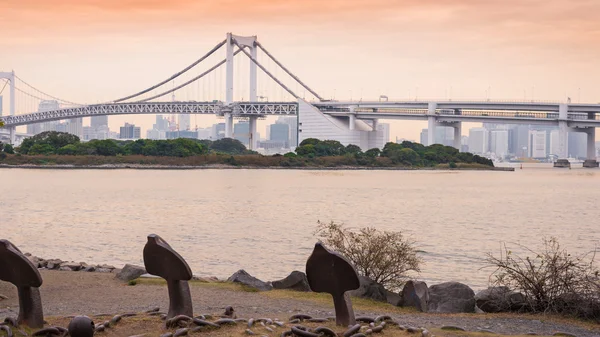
column 96, row 50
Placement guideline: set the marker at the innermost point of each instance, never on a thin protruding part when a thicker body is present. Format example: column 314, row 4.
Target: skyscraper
column 292, row 123
column 478, row 140
column 184, row 122
column 129, row 131
column 281, row 133
column 499, row 143
column 241, row 132
column 96, row 122
column 537, row 144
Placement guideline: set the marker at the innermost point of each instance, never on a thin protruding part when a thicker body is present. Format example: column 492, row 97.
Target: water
column 263, row 220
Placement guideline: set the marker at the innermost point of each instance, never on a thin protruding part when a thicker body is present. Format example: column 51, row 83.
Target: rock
column 65, row 268
column 499, row 299
column 241, row 276
column 415, row 294
column 103, row 270
column 89, row 269
column 35, row 260
column 53, row 263
column 295, row 281
column 393, row 298
column 130, row 272
column 370, row 289
column 71, row 265
column 105, row 266
column 451, row 297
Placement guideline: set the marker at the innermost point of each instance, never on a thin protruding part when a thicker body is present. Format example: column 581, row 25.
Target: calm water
column 263, row 220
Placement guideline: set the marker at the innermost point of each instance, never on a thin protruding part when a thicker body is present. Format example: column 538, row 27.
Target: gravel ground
column 71, row 293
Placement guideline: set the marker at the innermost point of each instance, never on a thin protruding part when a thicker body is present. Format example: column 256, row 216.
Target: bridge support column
column 229, row 72
column 563, row 129
column 12, row 95
column 431, row 123
column 253, row 82
column 12, row 130
column 351, row 121
column 591, row 161
column 457, row 135
column 252, row 132
column 374, row 125
column 228, row 125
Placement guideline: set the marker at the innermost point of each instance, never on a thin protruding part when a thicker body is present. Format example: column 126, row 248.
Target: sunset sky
column 99, row 50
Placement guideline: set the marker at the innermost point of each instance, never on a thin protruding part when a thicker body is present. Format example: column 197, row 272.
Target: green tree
column 373, row 153
column 353, row 149
column 310, row 141
column 229, row 146
column 9, row 149
column 306, row 150
column 41, row 149
column 70, row 150
column 106, row 147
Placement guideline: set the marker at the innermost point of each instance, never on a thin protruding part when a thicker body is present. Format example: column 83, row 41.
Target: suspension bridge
column 350, row 122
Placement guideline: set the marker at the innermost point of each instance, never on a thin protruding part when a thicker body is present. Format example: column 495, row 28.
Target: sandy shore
column 70, row 293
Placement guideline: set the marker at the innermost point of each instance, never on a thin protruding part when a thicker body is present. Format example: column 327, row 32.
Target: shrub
column 552, row 280
column 452, row 165
column 383, row 256
column 9, row 149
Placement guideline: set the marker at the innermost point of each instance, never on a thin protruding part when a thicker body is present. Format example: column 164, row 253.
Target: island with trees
column 56, row 149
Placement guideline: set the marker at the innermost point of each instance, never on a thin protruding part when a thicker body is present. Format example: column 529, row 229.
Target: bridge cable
column 4, row 87
column 175, row 75
column 43, row 93
column 188, row 82
column 289, row 72
column 266, row 71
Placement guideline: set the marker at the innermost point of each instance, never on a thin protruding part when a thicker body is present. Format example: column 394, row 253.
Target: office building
column 129, row 131
column 280, row 133
column 241, row 132
column 181, row 134
column 499, row 143
column 478, row 141
column 292, row 123
column 577, row 145
column 184, row 122
column 537, row 144
column 217, row 131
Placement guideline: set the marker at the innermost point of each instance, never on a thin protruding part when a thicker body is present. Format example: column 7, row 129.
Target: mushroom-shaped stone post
column 161, row 260
column 330, row 272
column 18, row 270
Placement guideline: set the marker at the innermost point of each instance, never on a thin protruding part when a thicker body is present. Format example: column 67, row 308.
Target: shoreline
column 242, row 167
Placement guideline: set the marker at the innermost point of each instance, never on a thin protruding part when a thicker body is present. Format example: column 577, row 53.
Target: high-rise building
column 280, row 133
column 519, row 140
column 204, row 133
column 75, row 127
column 478, row 140
column 537, row 144
column 162, row 124
column 443, row 135
column 292, row 122
column 46, row 105
column 130, row 131
column 181, row 134
column 554, row 148
column 97, row 122
column 241, row 132
column 218, row 131
column 156, row 134
column 423, row 136
column 499, row 142
column 184, row 122
column 577, row 145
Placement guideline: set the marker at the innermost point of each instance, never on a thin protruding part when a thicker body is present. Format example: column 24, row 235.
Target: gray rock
column 71, row 265
column 451, row 297
column 34, row 260
column 130, row 272
column 89, row 269
column 65, row 268
column 370, row 289
column 53, row 263
column 393, row 298
column 295, row 281
column 499, row 299
column 415, row 294
column 103, row 270
column 241, row 276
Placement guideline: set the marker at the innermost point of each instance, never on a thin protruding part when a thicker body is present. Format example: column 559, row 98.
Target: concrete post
column 254, row 53
column 375, row 122
column 252, row 132
column 352, row 118
column 563, row 129
column 431, row 123
column 12, row 130
column 228, row 125
column 591, row 143
column 457, row 135
column 229, row 71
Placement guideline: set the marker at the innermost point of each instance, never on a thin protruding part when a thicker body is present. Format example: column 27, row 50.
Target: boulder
column 65, row 268
column 103, row 270
column 53, row 263
column 415, row 294
column 241, row 276
column 295, row 281
column 89, row 269
column 34, row 260
column 393, row 298
column 451, row 297
column 370, row 289
column 130, row 272
column 71, row 265
column 499, row 299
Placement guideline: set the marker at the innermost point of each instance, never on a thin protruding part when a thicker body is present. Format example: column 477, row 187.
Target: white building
column 537, row 144
column 554, row 147
column 184, row 122
column 314, row 124
column 478, row 141
column 156, row 134
column 499, row 143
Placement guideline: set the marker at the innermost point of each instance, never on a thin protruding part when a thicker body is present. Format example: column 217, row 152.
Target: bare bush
column 552, row 280
column 383, row 256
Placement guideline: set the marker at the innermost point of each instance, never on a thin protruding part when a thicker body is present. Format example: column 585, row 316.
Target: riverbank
column 230, row 167
column 72, row 293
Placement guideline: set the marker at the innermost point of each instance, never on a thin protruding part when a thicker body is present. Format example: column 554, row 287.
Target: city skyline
column 515, row 51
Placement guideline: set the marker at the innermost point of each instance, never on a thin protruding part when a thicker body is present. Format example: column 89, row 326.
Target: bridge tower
column 10, row 76
column 250, row 43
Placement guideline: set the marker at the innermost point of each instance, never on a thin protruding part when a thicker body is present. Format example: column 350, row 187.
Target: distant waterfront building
column 241, row 132
column 204, row 133
column 46, row 105
column 554, row 143
column 130, row 131
column 478, row 140
column 577, row 145
column 464, row 144
column 181, row 134
column 217, row 131
column 292, row 123
column 156, row 134
column 499, row 143
column 97, row 122
column 280, row 133
column 184, row 122
column 537, row 144
column 443, row 135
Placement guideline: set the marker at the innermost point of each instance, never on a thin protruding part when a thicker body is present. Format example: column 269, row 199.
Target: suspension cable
column 175, row 75
column 266, row 71
column 190, row 81
column 4, row 87
column 288, row 72
column 45, row 94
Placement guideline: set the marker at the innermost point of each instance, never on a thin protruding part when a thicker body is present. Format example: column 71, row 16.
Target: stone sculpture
column 18, row 270
column 161, row 260
column 329, row 272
